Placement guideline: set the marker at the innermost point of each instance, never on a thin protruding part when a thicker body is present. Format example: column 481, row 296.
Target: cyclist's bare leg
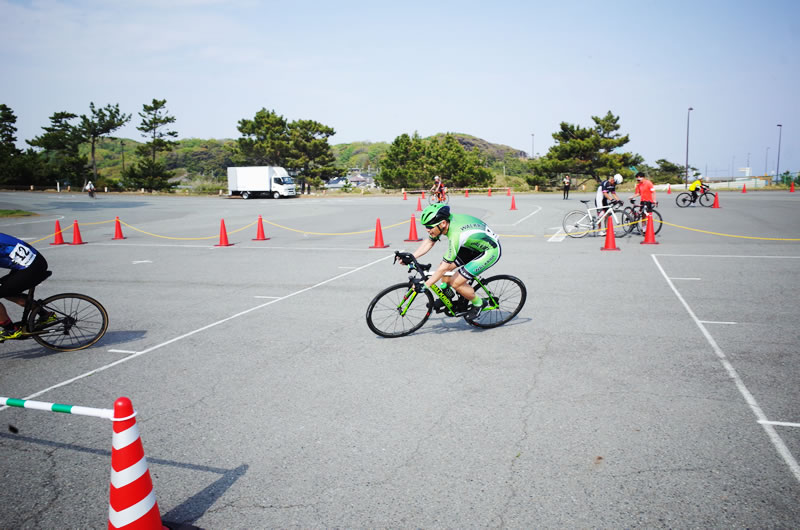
column 459, row 283
column 19, row 300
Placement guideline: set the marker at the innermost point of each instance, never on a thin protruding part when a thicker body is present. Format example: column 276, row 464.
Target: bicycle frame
column 609, row 210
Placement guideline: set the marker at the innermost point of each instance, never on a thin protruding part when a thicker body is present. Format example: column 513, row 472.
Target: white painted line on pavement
column 270, row 297
column 121, row 351
column 198, row 330
column 558, row 237
column 780, row 423
column 686, row 279
column 715, row 322
column 776, row 440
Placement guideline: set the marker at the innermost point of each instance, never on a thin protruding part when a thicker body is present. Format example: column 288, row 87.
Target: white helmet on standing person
column 618, row 178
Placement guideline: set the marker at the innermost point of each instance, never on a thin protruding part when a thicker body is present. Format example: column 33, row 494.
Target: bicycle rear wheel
column 399, row 310
column 629, row 216
column 656, row 219
column 78, row 322
column 683, row 199
column 503, row 297
column 707, row 199
column 577, row 223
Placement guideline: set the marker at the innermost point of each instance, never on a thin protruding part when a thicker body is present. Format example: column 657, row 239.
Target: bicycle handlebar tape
column 260, row 231
column 117, row 229
column 378, row 235
column 223, row 236
column 412, row 232
column 611, row 242
column 716, row 201
column 649, row 232
column 59, row 239
column 132, row 500
column 76, row 234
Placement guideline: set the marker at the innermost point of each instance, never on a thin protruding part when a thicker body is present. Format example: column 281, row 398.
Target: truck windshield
column 281, row 181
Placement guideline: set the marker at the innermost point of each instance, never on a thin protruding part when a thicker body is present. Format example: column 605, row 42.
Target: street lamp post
column 778, row 167
column 766, row 162
column 122, row 147
column 686, row 177
column 533, row 155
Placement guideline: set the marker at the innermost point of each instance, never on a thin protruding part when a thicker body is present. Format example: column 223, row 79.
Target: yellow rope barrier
column 331, row 233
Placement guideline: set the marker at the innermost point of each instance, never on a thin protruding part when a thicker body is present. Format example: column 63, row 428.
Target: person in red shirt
column 645, row 190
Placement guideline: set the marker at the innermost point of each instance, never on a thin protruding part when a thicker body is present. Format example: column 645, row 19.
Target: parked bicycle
column 705, row 198
column 638, row 218
column 578, row 223
column 403, row 308
column 63, row 322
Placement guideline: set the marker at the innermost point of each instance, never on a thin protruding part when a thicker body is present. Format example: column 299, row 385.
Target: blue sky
column 498, row 70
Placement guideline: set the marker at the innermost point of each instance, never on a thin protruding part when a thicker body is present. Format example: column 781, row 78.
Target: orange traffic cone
column 412, row 233
column 423, row 194
column 223, row 236
column 669, row 189
column 791, row 188
column 132, row 499
column 405, row 198
column 611, row 242
column 419, row 204
column 490, row 192
column 59, row 239
column 76, row 234
column 117, row 229
column 508, row 192
column 744, row 188
column 466, row 191
column 513, row 203
column 716, row 201
column 260, row 231
column 378, row 236
column 649, row 232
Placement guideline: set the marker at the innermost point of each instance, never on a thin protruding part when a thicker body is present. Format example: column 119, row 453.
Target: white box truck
column 255, row 181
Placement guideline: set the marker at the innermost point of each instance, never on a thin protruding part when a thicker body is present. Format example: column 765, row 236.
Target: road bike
column 438, row 197
column 579, row 223
column 638, row 218
column 63, row 322
column 403, row 308
column 706, row 198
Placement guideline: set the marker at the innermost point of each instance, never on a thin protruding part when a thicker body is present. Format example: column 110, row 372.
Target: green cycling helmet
column 434, row 214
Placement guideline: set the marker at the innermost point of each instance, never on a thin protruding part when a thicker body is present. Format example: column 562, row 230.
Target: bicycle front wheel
column 68, row 322
column 683, row 199
column 707, row 199
column 503, row 297
column 399, row 310
column 629, row 216
column 656, row 219
column 577, row 223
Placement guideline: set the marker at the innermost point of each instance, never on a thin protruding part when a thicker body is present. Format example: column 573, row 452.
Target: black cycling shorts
column 18, row 281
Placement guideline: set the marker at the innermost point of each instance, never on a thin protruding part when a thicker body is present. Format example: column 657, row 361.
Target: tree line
column 66, row 152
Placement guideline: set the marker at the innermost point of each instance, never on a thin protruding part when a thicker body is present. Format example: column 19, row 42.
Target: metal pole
column 766, row 162
column 533, row 151
column 686, row 177
column 778, row 167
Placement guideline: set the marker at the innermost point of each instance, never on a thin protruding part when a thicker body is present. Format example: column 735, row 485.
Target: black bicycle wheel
column 578, row 224
column 630, row 214
column 683, row 199
column 68, row 322
column 656, row 219
column 399, row 310
column 707, row 199
column 503, row 297
column 622, row 228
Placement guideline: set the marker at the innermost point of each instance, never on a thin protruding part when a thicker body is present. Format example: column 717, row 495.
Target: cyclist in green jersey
column 472, row 248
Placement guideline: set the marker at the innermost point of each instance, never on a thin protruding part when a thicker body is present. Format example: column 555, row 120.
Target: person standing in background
column 567, row 183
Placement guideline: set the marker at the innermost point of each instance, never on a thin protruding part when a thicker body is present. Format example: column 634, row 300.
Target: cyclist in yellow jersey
column 698, row 183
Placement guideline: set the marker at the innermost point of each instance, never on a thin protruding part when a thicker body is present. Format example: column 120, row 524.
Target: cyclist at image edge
column 472, row 248
column 607, row 193
column 645, row 190
column 438, row 188
column 28, row 269
column 693, row 187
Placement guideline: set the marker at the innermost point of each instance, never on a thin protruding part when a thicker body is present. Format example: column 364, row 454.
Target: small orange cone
column 649, row 232
column 132, row 499
column 117, row 229
column 423, row 194
column 513, row 203
column 419, row 204
column 744, row 188
column 76, row 234
column 490, row 192
column 669, row 189
column 223, row 236
column 59, row 239
column 378, row 236
column 508, row 192
column 412, row 233
column 716, row 201
column 791, row 189
column 466, row 191
column 405, row 198
column 611, row 242
column 260, row 231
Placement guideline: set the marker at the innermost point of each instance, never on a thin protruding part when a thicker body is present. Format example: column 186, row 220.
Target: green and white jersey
column 467, row 232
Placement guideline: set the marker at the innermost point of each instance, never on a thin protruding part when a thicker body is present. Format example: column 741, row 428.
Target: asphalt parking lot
column 656, row 386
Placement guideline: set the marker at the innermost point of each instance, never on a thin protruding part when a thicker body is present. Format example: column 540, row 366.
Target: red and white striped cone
column 132, row 500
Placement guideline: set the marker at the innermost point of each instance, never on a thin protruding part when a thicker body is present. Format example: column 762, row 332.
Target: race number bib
column 22, row 256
